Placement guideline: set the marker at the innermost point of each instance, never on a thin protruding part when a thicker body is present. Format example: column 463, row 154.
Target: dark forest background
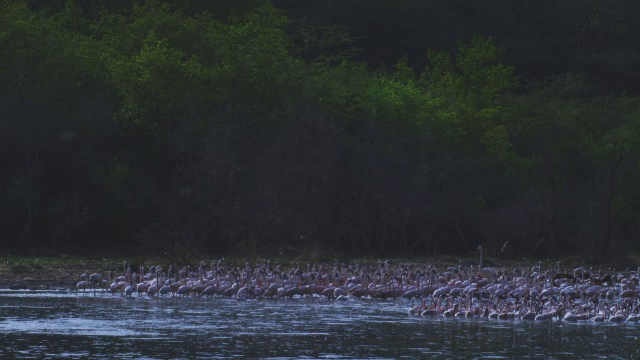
column 375, row 128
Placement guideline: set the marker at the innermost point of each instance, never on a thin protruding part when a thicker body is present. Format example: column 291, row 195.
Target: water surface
column 40, row 324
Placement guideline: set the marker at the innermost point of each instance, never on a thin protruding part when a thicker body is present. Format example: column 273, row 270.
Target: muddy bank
column 39, row 278
column 47, row 273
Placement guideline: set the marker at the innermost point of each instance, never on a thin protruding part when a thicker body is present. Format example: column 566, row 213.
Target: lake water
column 39, row 324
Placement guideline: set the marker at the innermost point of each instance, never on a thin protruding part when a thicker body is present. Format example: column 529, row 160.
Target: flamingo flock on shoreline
column 456, row 291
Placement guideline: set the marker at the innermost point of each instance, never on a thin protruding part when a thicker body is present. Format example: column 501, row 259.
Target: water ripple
column 52, row 324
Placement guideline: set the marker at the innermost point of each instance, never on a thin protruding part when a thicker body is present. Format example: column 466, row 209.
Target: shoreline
column 37, row 273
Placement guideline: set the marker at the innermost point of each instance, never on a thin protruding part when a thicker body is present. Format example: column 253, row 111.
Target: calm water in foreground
column 54, row 325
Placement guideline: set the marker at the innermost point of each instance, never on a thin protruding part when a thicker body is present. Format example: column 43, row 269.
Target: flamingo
column 153, row 289
column 272, row 290
column 95, row 280
column 429, row 312
column 544, row 316
column 530, row 315
column 494, row 314
column 231, row 291
column 128, row 289
column 450, row 312
column 83, row 283
column 166, row 288
column 242, row 293
column 486, row 272
column 184, row 290
column 618, row 317
column 209, row 290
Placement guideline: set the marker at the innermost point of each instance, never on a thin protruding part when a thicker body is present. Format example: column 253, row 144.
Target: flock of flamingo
column 458, row 291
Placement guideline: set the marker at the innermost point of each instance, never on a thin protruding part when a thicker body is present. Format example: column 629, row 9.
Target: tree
column 470, row 116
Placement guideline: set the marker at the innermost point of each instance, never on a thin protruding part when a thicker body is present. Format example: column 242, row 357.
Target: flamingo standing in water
column 529, row 315
column 128, row 289
column 154, row 287
column 95, row 281
column 166, row 288
column 450, row 312
column 83, row 283
column 486, row 272
column 494, row 313
column 544, row 316
column 618, row 317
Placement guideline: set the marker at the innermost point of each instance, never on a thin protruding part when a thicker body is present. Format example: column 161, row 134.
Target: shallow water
column 56, row 324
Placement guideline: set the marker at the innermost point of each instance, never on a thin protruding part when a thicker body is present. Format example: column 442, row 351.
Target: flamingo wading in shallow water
column 522, row 293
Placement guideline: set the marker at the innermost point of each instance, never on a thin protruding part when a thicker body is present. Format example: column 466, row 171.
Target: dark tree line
column 391, row 127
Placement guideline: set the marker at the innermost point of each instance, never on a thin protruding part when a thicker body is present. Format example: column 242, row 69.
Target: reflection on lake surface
column 53, row 325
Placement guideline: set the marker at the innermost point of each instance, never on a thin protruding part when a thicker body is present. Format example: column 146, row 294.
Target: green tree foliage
column 581, row 148
column 144, row 80
column 471, row 88
column 176, row 127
